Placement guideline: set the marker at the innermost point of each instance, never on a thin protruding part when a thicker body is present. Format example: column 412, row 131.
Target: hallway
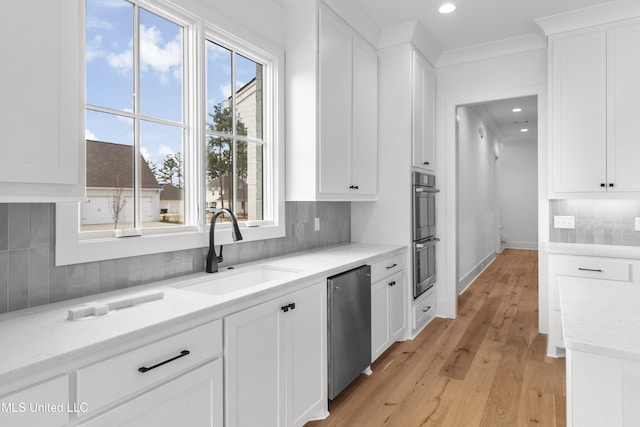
column 485, row 368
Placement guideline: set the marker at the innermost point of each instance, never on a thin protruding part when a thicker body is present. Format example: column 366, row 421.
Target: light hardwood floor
column 485, row 368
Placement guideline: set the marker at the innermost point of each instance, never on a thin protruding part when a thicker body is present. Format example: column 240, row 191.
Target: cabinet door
column 379, row 318
column 193, row 399
column 397, row 307
column 306, row 354
column 364, row 149
column 334, row 89
column 254, row 367
column 578, row 96
column 623, row 109
column 423, row 101
column 41, row 107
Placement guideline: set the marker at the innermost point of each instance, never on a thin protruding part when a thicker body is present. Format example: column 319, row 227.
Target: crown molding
column 588, row 17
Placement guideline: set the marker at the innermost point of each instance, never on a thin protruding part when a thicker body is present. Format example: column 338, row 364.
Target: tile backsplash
column 597, row 222
column 29, row 276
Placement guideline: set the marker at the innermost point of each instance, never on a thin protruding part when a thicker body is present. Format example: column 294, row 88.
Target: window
column 233, row 132
column 181, row 118
column 135, row 118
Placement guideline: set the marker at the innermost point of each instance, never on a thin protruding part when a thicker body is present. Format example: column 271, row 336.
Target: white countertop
column 612, row 251
column 40, row 338
column 601, row 317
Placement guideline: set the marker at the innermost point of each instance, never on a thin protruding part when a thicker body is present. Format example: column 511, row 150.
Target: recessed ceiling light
column 517, row 110
column 447, row 8
column 524, row 130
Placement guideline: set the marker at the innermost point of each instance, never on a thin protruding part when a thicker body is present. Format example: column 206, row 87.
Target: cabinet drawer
column 593, row 268
column 121, row 376
column 45, row 404
column 387, row 267
column 424, row 311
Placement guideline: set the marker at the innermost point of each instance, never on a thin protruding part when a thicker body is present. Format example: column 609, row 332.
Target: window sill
column 70, row 249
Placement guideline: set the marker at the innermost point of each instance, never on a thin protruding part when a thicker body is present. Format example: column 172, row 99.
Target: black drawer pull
column 425, row 163
column 602, row 184
column 183, row 353
column 590, row 269
column 392, row 283
column 426, row 309
column 389, row 267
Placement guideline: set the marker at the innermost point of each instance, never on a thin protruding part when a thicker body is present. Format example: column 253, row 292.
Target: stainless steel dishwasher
column 349, row 315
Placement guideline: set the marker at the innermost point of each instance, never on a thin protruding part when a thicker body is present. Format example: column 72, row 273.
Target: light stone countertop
column 41, row 338
column 611, row 251
column 601, row 317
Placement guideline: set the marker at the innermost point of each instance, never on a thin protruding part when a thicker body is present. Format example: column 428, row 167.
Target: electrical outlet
column 637, row 227
column 316, row 224
column 564, row 222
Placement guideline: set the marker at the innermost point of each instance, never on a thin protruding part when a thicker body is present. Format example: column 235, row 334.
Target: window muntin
column 142, row 55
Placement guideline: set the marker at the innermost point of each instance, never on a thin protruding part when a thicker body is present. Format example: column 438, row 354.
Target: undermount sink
column 232, row 281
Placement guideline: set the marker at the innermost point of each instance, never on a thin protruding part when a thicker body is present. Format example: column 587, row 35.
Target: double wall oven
column 424, row 232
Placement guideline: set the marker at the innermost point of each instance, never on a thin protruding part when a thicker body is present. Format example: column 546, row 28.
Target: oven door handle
column 426, row 190
column 427, row 244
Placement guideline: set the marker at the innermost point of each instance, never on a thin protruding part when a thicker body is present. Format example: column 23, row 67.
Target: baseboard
column 521, row 245
column 476, row 271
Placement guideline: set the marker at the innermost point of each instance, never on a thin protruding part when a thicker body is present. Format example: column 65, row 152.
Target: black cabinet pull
column 425, row 163
column 590, row 269
column 392, row 283
column 183, row 353
column 288, row 307
column 424, row 310
column 611, row 184
column 602, row 184
column 389, row 267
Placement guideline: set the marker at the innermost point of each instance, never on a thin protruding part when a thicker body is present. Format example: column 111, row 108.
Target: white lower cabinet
column 42, row 405
column 276, row 361
column 602, row 390
column 388, row 320
column 172, row 381
column 193, row 399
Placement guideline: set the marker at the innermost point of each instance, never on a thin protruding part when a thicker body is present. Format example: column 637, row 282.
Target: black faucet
column 212, row 258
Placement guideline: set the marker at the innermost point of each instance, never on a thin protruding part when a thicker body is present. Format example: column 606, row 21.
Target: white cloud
column 94, row 49
column 156, row 55
column 90, row 135
column 225, row 90
column 165, row 150
column 145, row 153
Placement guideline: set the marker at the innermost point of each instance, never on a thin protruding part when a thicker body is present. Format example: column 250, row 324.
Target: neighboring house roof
column 170, row 192
column 111, row 165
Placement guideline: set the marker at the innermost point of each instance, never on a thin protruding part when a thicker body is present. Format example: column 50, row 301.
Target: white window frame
column 74, row 247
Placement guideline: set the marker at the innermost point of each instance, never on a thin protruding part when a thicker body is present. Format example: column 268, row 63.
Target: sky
column 109, row 76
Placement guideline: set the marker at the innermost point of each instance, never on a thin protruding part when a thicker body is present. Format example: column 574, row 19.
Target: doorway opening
column 497, row 182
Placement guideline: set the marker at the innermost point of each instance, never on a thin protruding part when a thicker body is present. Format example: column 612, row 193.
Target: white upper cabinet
column 594, row 101
column 41, row 104
column 423, row 100
column 623, row 108
column 332, row 106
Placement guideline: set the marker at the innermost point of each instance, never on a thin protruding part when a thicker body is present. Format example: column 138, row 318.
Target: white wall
column 518, row 193
column 501, row 77
column 476, row 196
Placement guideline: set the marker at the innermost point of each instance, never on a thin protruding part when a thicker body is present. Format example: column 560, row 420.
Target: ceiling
column 505, row 123
column 474, row 22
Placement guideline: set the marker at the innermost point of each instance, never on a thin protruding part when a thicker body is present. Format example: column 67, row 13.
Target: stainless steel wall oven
column 424, row 232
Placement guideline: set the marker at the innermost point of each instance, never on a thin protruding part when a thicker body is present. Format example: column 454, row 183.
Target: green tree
column 171, row 170
column 220, row 149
